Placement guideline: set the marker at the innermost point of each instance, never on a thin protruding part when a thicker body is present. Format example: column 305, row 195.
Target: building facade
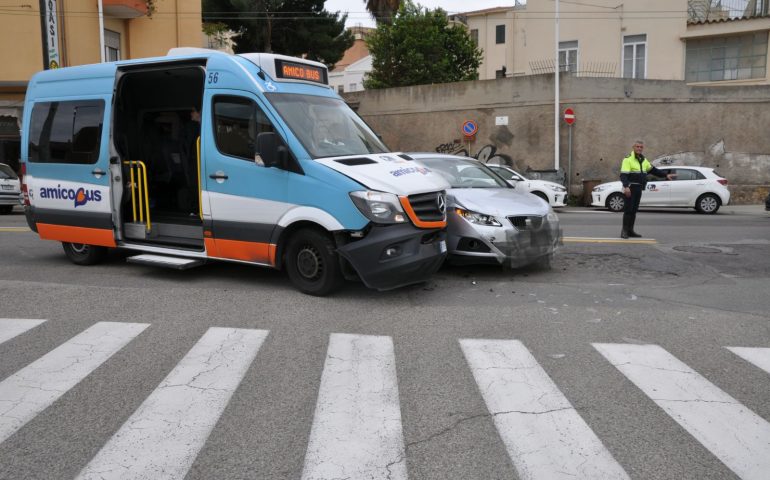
column 61, row 33
column 713, row 42
column 348, row 74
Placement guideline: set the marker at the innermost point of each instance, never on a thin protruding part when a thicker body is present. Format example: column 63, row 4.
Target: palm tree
column 383, row 10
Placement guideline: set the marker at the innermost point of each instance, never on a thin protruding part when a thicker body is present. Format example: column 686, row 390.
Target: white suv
column 696, row 187
column 10, row 189
column 551, row 192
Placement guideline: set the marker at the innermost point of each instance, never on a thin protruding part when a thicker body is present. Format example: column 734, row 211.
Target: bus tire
column 312, row 263
column 81, row 254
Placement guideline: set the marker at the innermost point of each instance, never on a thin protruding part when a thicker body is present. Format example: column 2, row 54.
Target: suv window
column 7, row 173
column 66, row 132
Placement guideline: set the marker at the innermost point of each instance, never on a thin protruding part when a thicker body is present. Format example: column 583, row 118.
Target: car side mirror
column 271, row 152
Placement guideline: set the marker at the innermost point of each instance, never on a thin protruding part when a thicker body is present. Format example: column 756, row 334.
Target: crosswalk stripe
column 356, row 430
column 35, row 387
column 12, row 327
column 758, row 356
column 733, row 433
column 163, row 437
column 544, row 435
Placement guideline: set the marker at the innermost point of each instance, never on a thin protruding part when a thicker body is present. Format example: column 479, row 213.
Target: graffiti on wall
column 486, row 154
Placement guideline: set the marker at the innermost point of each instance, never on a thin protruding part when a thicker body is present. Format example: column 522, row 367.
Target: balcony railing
column 708, row 10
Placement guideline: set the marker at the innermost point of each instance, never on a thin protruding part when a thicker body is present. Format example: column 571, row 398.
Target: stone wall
column 725, row 128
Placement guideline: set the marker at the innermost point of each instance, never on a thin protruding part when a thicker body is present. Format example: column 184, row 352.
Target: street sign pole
column 569, row 119
column 556, row 93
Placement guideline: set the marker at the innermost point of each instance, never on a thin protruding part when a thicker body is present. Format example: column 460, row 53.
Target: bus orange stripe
column 239, row 250
column 87, row 236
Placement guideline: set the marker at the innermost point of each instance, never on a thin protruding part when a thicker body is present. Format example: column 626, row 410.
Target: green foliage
column 419, row 48
column 290, row 27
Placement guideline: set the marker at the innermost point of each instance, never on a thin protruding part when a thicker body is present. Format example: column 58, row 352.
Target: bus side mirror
column 271, row 150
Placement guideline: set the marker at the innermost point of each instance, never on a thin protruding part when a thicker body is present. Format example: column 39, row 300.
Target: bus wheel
column 81, row 254
column 312, row 263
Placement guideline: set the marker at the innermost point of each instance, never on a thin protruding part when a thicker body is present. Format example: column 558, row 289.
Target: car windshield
column 326, row 127
column 464, row 173
column 7, row 173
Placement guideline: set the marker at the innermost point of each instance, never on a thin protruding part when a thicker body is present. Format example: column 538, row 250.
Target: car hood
column 387, row 172
column 497, row 201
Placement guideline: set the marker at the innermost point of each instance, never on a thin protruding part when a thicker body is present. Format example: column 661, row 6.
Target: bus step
column 178, row 263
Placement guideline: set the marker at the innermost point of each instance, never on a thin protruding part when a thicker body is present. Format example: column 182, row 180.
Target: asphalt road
column 612, row 364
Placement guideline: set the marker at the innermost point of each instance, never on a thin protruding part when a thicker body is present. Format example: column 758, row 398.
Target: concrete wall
column 722, row 128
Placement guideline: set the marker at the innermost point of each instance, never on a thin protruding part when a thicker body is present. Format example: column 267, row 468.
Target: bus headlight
column 379, row 207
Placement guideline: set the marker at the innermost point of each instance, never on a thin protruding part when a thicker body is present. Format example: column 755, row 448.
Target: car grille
column 426, row 206
column 526, row 222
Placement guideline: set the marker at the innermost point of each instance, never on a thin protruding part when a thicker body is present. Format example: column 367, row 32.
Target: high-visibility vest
column 632, row 165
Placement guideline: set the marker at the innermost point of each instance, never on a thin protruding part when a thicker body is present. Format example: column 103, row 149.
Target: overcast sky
column 357, row 13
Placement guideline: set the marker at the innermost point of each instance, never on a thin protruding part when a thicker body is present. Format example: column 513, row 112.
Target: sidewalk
column 752, row 210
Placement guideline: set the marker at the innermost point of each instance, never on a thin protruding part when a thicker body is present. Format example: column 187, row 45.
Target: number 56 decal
column 213, row 77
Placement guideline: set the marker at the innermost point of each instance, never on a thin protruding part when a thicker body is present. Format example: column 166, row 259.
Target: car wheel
column 6, row 209
column 541, row 195
column 616, row 202
column 707, row 203
column 81, row 254
column 312, row 263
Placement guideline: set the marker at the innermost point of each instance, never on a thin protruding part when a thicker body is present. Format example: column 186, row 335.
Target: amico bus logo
column 81, row 196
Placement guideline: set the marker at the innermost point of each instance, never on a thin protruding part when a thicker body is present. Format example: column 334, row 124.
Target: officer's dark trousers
column 631, row 207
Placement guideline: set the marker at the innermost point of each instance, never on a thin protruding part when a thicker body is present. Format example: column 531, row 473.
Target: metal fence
column 704, row 10
column 584, row 69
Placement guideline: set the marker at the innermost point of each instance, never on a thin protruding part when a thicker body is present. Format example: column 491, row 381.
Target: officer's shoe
column 623, row 234
column 633, row 234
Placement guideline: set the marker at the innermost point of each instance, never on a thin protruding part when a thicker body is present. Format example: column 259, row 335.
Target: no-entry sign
column 569, row 116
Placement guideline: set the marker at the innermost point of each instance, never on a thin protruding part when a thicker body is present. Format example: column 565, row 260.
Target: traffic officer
column 633, row 175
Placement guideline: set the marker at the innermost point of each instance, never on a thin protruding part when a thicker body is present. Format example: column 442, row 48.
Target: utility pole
column 556, row 94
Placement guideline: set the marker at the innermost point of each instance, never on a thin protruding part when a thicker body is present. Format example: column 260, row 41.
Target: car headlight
column 379, row 207
column 552, row 217
column 478, row 218
column 601, row 188
column 557, row 188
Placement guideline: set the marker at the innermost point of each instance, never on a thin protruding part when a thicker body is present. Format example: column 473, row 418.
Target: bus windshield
column 326, row 127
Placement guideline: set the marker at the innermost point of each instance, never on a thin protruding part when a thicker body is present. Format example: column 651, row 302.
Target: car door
column 68, row 170
column 686, row 187
column 656, row 193
column 245, row 199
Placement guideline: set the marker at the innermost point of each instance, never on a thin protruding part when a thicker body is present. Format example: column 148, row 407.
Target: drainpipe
column 101, row 31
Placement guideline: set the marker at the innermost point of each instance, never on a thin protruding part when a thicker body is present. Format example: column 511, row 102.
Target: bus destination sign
column 300, row 71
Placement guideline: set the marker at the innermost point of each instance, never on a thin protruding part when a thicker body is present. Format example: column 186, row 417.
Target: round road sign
column 470, row 128
column 569, row 116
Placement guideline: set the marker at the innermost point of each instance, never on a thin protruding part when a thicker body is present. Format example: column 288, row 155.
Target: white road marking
column 356, row 430
column 758, row 356
column 544, row 435
column 12, row 327
column 733, row 433
column 163, row 437
column 35, row 387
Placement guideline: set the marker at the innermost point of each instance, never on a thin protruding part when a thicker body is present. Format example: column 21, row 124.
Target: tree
column 383, row 10
column 420, row 48
column 289, row 27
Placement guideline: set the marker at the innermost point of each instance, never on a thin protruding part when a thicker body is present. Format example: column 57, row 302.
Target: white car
column 700, row 188
column 10, row 189
column 551, row 192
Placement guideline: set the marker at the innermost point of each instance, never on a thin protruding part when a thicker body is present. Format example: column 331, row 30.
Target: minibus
column 203, row 155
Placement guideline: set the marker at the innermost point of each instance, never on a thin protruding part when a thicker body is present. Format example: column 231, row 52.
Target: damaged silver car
column 489, row 221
